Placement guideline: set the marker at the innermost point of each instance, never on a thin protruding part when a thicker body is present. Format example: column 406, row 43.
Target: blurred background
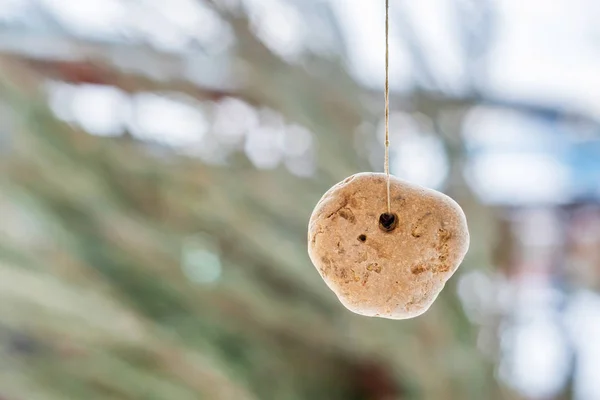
column 159, row 161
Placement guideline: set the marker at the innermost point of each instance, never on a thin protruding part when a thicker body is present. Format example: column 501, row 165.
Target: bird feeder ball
column 389, row 265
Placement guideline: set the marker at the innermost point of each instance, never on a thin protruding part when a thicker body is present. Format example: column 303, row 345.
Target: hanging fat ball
column 379, row 264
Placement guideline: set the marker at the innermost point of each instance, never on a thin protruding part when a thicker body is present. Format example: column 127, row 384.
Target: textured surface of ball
column 390, row 266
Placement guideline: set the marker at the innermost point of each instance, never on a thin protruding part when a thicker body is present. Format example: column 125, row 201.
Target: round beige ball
column 394, row 274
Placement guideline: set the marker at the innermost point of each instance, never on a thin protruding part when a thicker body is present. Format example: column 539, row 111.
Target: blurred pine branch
column 94, row 303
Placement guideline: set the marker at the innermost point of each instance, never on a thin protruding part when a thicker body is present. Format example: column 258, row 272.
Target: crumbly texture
column 397, row 274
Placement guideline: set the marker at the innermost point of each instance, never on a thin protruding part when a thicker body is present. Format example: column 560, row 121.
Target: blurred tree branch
column 115, row 217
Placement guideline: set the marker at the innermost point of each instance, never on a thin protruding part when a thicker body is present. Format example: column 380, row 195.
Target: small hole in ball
column 388, row 222
column 362, row 238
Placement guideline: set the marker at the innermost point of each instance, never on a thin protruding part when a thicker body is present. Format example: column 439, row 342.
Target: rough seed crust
column 397, row 274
